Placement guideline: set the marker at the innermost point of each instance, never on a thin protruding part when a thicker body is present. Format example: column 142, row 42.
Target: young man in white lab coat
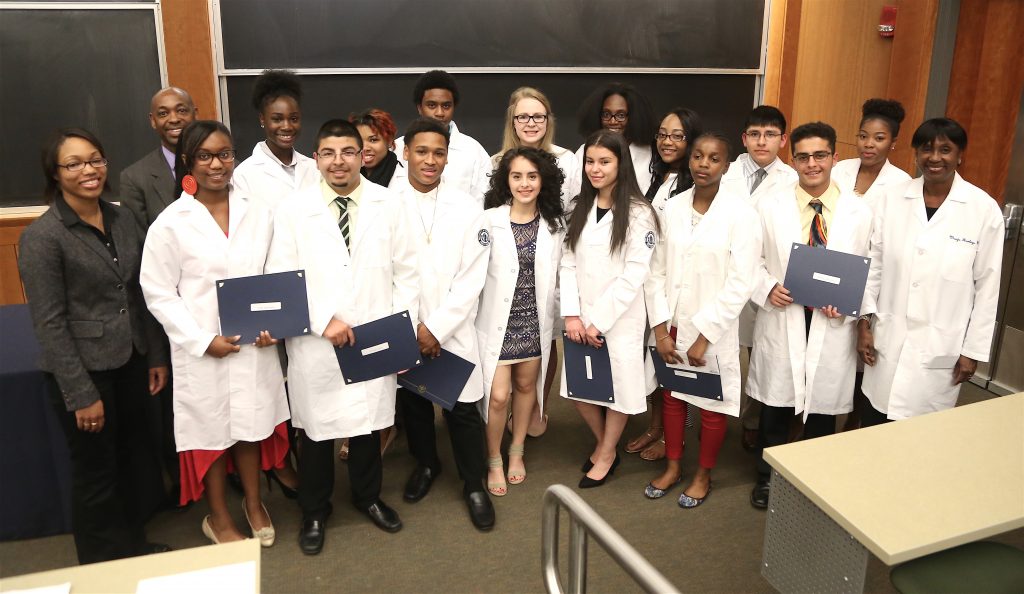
column 803, row 360
column 350, row 237
column 436, row 96
column 450, row 235
column 755, row 174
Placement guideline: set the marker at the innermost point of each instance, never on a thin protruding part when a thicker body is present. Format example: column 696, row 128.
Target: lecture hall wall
column 824, row 58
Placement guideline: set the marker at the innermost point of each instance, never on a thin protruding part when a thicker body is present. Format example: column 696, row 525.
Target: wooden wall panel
column 985, row 87
column 188, row 47
column 778, row 53
column 909, row 71
column 11, row 290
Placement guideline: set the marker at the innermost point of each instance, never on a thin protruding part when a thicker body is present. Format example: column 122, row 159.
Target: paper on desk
column 64, row 588
column 234, row 578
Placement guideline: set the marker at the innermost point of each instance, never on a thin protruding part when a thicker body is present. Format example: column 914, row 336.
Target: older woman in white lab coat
column 517, row 306
column 934, row 283
column 701, row 277
column 611, row 236
column 227, row 397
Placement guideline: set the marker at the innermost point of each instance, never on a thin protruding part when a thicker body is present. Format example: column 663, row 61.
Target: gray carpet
column 714, row 548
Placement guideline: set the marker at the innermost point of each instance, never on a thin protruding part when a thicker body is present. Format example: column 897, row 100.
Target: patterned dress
column 522, row 333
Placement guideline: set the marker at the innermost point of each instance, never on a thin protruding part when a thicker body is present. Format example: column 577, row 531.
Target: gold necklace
column 433, row 217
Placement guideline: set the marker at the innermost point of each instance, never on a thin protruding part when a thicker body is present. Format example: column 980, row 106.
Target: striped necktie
column 343, row 223
column 819, row 230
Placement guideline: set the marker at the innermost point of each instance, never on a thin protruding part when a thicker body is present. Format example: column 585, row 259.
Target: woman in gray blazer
column 101, row 349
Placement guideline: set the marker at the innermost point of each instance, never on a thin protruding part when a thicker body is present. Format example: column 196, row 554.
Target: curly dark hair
column 641, row 125
column 889, row 111
column 273, row 84
column 549, row 202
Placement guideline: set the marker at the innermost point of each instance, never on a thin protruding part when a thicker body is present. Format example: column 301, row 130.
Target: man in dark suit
column 147, row 185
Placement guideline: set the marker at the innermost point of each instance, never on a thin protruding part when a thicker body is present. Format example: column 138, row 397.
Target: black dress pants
column 113, row 469
column 773, row 430
column 871, row 416
column 465, row 428
column 316, row 473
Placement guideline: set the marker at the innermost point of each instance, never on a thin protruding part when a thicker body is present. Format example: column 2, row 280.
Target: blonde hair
column 510, row 139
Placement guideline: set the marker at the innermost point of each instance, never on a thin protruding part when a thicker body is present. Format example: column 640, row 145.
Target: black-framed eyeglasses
column 80, row 165
column 659, row 137
column 225, row 156
column 619, row 116
column 819, row 157
column 538, row 118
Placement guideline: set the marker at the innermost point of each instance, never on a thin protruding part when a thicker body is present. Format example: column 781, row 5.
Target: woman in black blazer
column 101, row 349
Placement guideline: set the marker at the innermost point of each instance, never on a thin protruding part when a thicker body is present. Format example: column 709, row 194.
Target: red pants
column 712, row 429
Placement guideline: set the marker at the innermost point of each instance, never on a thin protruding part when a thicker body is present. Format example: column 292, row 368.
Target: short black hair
column 813, row 130
column 640, row 126
column 890, row 112
column 939, row 128
column 766, row 115
column 52, row 149
column 420, row 125
column 340, row 128
column 273, row 84
column 435, row 79
column 717, row 136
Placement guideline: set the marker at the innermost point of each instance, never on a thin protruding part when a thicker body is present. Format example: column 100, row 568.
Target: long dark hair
column 693, row 128
column 52, row 149
column 625, row 194
column 640, row 126
column 192, row 137
column 549, row 202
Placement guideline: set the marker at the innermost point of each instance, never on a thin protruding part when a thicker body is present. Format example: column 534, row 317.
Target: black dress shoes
column 481, row 512
column 383, row 516
column 311, row 536
column 759, row 495
column 419, row 483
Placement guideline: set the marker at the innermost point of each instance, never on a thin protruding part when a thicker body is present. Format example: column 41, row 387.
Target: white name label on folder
column 825, row 278
column 375, row 349
column 268, row 306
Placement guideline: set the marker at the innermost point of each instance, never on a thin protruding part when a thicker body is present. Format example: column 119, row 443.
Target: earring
column 189, row 185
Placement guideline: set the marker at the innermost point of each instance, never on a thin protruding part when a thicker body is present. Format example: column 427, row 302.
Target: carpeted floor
column 714, row 548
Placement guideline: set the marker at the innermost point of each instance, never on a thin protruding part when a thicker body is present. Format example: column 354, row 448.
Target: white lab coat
column 606, row 289
column 453, row 268
column 217, row 402
column 933, row 288
column 378, row 279
column 844, row 175
column 640, row 155
column 263, row 179
column 468, row 168
column 735, row 181
column 661, row 197
column 701, row 277
column 499, row 290
column 813, row 373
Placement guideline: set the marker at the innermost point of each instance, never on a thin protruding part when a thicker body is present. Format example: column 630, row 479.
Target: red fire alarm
column 887, row 23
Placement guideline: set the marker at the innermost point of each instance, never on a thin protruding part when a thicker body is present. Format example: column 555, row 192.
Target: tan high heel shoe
column 266, row 535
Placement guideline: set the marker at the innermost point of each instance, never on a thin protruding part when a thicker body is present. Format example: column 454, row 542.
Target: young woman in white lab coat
column 517, row 306
column 871, row 173
column 620, row 108
column 228, row 398
column 701, row 277
column 936, row 254
column 611, row 235
column 275, row 168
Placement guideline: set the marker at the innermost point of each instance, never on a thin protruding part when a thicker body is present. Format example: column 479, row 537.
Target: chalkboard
column 722, row 100
column 95, row 69
column 721, row 34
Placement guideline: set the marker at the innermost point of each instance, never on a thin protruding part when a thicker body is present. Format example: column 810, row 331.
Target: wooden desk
column 901, row 490
column 123, row 575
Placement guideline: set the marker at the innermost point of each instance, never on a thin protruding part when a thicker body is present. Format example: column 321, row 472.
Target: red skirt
column 195, row 463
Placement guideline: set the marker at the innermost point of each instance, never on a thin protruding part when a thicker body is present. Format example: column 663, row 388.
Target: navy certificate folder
column 817, row 277
column 588, row 371
column 439, row 380
column 274, row 302
column 382, row 347
column 705, row 382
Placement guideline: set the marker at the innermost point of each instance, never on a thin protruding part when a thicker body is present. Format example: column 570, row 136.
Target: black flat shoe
column 154, row 548
column 288, row 492
column 481, row 512
column 590, row 464
column 311, row 536
column 419, row 483
column 759, row 495
column 383, row 516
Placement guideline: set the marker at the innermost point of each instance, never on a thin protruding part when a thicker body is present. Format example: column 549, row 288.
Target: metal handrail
column 583, row 520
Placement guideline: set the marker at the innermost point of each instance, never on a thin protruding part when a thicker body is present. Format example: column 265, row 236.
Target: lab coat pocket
column 375, row 252
column 943, row 349
column 958, row 261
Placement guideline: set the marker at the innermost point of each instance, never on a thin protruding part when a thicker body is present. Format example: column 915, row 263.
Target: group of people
column 655, row 233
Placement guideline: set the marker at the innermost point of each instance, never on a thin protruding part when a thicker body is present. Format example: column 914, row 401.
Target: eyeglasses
column 619, row 116
column 330, row 154
column 756, row 135
column 819, row 157
column 225, row 156
column 80, row 165
column 659, row 137
column 538, row 118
